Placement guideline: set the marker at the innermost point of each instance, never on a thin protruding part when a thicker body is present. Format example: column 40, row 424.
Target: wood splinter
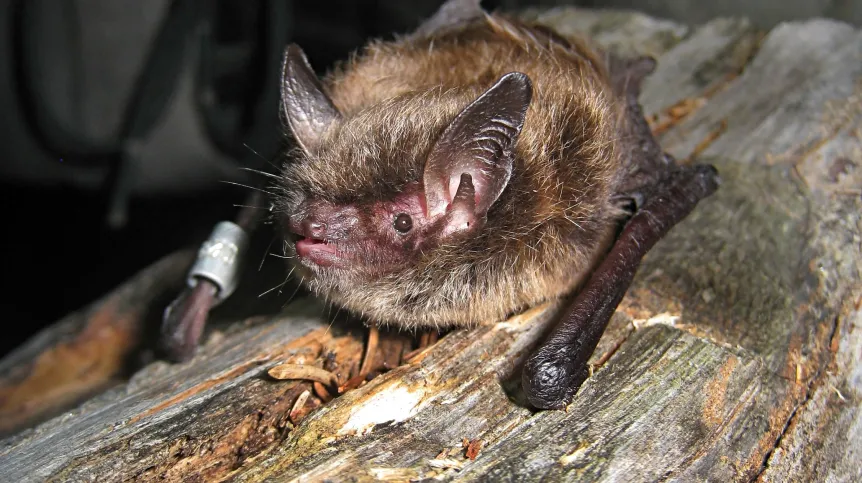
column 370, row 351
column 302, row 372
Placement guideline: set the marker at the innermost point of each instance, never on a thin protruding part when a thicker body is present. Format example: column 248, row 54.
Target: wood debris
column 705, row 142
column 446, row 464
column 302, row 372
column 298, row 405
column 472, row 448
column 662, row 122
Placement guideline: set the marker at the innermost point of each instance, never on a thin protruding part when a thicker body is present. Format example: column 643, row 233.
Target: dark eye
column 403, row 223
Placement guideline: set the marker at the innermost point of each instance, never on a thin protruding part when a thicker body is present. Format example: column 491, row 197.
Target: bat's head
column 371, row 192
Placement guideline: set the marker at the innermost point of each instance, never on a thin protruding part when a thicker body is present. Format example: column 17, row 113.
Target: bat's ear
column 451, row 13
column 304, row 106
column 479, row 143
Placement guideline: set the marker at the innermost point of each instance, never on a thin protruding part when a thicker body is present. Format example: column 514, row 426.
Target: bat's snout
column 312, row 228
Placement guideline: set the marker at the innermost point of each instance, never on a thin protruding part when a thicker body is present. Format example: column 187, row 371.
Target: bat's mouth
column 318, row 252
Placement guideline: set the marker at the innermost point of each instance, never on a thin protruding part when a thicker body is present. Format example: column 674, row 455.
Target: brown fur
column 551, row 223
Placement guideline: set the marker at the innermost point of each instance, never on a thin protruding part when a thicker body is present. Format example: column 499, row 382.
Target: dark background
column 187, row 91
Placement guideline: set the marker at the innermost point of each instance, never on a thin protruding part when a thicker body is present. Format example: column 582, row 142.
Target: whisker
column 253, row 151
column 295, row 291
column 276, row 255
column 329, row 309
column 328, row 327
column 263, row 259
column 249, row 187
column 273, row 288
column 334, row 317
column 288, row 276
column 268, row 161
column 257, row 171
column 279, row 286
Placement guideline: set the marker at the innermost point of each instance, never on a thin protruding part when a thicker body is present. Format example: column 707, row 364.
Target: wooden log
column 734, row 356
column 86, row 352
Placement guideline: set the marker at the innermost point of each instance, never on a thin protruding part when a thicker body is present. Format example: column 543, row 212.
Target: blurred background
column 122, row 118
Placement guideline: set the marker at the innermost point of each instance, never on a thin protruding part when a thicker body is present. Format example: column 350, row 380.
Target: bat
column 474, row 168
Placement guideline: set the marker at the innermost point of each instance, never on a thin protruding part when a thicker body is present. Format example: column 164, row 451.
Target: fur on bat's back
column 550, row 223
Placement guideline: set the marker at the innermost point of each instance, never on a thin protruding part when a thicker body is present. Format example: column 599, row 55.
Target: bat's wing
column 664, row 193
column 647, row 163
column 555, row 371
column 451, row 13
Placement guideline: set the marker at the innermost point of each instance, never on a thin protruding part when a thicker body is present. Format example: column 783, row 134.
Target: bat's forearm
column 556, row 370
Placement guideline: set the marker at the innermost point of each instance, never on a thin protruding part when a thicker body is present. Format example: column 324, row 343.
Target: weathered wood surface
column 736, row 355
column 87, row 351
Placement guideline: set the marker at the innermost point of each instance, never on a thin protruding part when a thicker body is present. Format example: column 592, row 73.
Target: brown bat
column 472, row 169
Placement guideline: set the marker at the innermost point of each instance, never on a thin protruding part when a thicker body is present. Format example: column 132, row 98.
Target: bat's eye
column 403, row 223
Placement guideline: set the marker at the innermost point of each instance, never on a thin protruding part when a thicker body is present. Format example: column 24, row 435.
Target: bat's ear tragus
column 461, row 217
column 478, row 149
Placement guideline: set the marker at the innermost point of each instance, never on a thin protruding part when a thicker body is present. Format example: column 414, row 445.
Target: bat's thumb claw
column 550, row 379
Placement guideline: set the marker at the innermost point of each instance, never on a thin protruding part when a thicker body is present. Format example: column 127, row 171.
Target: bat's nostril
column 314, row 229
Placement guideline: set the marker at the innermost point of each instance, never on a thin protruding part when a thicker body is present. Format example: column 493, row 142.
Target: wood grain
column 735, row 356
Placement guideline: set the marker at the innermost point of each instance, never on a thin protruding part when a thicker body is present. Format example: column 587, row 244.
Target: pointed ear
column 480, row 142
column 306, row 108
